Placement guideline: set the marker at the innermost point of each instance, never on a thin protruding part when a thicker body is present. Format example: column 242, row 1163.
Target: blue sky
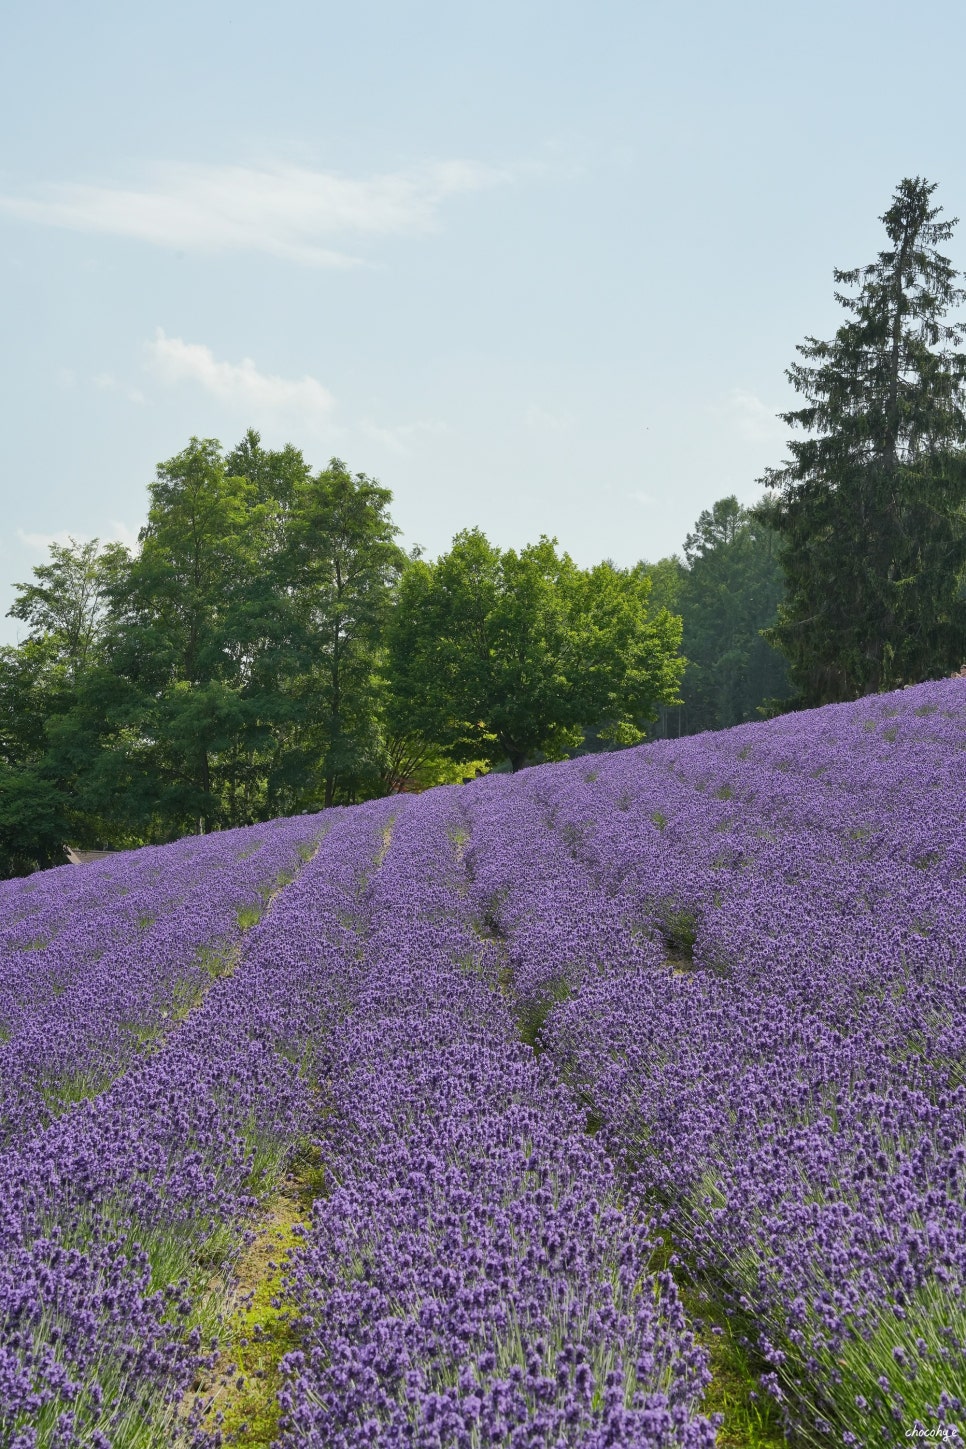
column 536, row 266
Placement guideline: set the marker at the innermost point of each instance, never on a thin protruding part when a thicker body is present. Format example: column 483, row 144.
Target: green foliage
column 727, row 590
column 192, row 625
column 500, row 655
column 33, row 825
column 67, row 602
column 871, row 506
column 343, row 562
column 230, row 671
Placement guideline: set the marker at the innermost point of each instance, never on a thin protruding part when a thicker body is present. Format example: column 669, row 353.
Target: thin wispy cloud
column 292, row 212
column 107, row 382
column 401, row 438
column 751, row 418
column 239, row 384
column 545, row 420
column 41, row 542
column 116, row 532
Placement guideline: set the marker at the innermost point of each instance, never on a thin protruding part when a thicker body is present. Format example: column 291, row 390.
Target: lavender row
column 471, row 1277
column 114, row 1217
column 794, row 1101
column 140, row 944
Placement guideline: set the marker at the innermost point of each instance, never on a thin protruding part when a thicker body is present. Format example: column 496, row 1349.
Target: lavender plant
column 473, row 1277
column 114, row 1217
column 739, row 953
column 787, row 1085
column 100, row 968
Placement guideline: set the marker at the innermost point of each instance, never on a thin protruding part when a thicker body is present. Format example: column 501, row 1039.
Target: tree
column 870, row 506
column 67, row 604
column 191, row 621
column 275, row 474
column 729, row 593
column 41, row 684
column 33, row 802
column 343, row 563
column 499, row 655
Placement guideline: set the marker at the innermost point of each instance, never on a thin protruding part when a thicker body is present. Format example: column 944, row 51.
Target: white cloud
column 240, row 384
column 41, row 542
column 286, row 211
column 646, row 500
column 122, row 533
column 750, row 417
column 117, row 532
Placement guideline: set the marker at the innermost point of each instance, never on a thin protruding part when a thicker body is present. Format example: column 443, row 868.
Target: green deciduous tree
column 66, row 604
column 500, row 655
column 343, row 563
column 42, row 683
column 870, row 505
column 33, row 801
column 192, row 620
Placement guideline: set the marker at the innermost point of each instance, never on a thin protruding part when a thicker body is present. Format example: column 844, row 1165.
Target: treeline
column 269, row 648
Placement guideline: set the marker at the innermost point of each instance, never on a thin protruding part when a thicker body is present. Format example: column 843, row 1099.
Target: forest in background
column 270, row 649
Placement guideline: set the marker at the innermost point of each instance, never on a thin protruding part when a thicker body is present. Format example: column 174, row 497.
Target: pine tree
column 870, row 505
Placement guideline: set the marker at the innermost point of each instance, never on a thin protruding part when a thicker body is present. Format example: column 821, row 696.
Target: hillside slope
column 739, row 958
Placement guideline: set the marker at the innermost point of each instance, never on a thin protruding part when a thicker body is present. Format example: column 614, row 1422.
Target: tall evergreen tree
column 870, row 505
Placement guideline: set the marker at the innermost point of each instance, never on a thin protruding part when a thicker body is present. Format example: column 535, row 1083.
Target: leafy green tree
column 33, row 821
column 190, row 624
column 500, row 655
column 729, row 593
column 343, row 563
column 275, row 474
column 870, row 506
column 667, row 582
column 41, row 684
column 33, row 802
column 66, row 605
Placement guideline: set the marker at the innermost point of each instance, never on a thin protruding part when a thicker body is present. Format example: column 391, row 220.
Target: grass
column 61, row 1092
column 679, row 928
column 749, row 1418
column 533, row 1014
column 239, row 1396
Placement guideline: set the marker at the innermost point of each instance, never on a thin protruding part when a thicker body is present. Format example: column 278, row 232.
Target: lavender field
column 569, row 1052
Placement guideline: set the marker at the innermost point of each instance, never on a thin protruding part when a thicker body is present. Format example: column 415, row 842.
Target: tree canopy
column 870, row 505
column 504, row 655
